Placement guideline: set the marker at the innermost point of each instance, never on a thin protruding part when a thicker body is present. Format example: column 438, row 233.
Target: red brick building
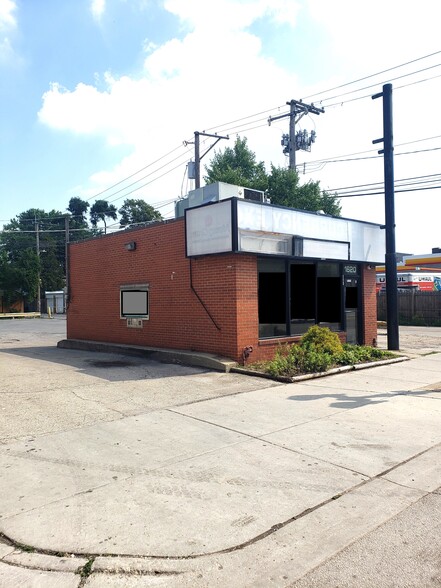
column 230, row 276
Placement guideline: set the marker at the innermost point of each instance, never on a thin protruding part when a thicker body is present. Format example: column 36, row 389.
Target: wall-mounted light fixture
column 130, row 246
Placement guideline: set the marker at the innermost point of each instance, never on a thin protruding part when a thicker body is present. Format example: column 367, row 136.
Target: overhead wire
column 135, row 173
column 318, row 164
column 379, row 83
column 219, row 127
column 246, row 126
column 396, row 192
column 343, row 102
column 372, row 75
column 382, row 181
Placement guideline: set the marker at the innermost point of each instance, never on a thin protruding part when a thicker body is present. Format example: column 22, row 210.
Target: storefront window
column 272, row 298
column 314, row 292
column 329, row 296
column 303, row 297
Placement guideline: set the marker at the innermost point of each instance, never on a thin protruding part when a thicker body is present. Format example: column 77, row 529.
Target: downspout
column 200, row 299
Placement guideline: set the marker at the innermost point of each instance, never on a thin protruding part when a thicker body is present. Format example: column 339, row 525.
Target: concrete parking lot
column 121, row 471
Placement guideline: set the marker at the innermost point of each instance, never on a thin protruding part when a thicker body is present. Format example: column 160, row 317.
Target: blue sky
column 91, row 91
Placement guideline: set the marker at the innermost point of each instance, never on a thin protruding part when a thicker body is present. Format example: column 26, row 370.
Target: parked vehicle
column 413, row 281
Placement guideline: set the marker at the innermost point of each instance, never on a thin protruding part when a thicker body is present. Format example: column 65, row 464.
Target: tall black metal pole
column 393, row 339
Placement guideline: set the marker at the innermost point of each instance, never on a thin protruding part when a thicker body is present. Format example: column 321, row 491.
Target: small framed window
column 134, row 301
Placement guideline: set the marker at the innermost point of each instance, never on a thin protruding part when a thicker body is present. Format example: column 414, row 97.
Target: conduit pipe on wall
column 200, row 299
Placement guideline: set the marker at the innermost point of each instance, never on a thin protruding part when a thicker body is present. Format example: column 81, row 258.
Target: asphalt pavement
column 124, row 471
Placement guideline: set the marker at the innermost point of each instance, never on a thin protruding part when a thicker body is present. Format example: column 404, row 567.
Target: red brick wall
column 178, row 320
column 369, row 305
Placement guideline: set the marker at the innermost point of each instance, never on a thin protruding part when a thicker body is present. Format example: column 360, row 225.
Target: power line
column 415, row 184
column 371, row 75
column 20, row 231
column 147, row 183
column 396, row 191
column 136, row 173
column 221, row 127
column 381, row 182
column 42, row 219
column 139, row 180
column 370, row 150
column 236, row 128
column 380, row 83
column 341, row 103
column 247, row 128
column 320, row 164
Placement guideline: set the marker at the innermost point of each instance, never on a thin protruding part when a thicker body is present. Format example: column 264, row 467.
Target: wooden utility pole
column 198, row 156
column 297, row 109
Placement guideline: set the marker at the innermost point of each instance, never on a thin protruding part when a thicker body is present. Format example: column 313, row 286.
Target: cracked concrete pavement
column 121, row 471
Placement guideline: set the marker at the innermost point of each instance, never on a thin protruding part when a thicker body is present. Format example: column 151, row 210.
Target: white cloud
column 8, row 25
column 6, row 51
column 149, row 46
column 211, row 75
column 97, row 7
column 7, row 18
column 378, row 33
column 230, row 14
column 216, row 72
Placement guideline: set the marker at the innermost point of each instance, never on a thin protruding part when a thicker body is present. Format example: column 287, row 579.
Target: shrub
column 321, row 340
column 320, row 349
column 317, row 361
column 353, row 354
column 288, row 361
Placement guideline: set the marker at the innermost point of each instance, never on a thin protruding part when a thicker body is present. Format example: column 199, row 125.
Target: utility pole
column 37, row 234
column 292, row 134
column 393, row 340
column 198, row 156
column 293, row 142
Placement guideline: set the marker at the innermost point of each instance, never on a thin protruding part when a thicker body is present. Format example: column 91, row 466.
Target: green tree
column 19, row 243
column 102, row 210
column 78, row 219
column 19, row 278
column 237, row 166
column 137, row 211
column 78, row 209
column 284, row 189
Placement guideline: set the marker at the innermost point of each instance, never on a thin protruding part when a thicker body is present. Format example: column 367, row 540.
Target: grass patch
column 318, row 351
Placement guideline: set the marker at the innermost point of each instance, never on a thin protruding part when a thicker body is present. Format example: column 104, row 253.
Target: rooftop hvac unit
column 255, row 195
column 216, row 192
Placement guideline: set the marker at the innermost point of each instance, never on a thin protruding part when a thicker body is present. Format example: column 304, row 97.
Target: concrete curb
column 418, row 475
column 333, row 371
column 205, row 360
column 208, row 360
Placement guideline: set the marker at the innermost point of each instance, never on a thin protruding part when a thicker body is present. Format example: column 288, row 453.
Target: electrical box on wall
column 134, row 323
